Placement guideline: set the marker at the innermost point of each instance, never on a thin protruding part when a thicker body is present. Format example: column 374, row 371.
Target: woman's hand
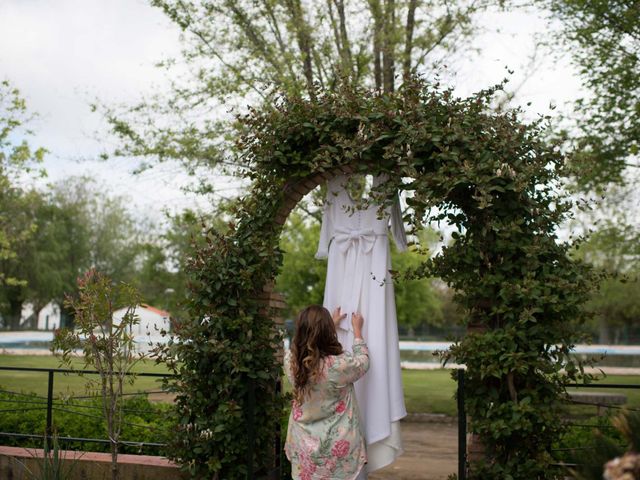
column 337, row 316
column 357, row 321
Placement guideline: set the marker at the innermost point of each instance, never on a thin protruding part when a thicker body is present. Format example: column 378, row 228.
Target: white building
column 48, row 318
column 152, row 321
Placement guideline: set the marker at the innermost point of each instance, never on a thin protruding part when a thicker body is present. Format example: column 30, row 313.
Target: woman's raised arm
column 350, row 367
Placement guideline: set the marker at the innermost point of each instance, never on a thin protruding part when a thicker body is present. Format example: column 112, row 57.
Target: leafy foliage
column 75, row 225
column 16, row 158
column 489, row 175
column 604, row 38
column 246, row 51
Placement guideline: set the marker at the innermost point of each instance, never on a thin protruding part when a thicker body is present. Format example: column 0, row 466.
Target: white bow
column 345, row 239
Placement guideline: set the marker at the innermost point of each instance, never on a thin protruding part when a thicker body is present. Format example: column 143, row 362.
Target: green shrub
column 144, row 422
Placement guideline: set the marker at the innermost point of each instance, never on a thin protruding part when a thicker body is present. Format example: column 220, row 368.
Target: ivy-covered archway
column 492, row 177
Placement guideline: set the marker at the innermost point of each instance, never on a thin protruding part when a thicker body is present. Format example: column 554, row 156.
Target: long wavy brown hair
column 314, row 339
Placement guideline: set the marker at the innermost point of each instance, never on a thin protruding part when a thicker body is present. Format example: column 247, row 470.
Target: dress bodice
column 342, row 218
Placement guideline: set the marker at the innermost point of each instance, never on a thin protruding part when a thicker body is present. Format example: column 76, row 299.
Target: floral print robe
column 324, row 437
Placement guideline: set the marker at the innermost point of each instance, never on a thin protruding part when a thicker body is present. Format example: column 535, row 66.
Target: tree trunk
column 408, row 45
column 66, row 315
column 376, row 13
column 37, row 308
column 344, row 37
column 388, row 50
column 304, row 43
column 604, row 332
column 14, row 314
column 114, row 461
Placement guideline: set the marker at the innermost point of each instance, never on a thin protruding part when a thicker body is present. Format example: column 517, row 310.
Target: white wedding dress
column 356, row 244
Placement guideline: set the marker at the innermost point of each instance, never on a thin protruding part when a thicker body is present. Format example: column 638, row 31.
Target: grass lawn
column 426, row 391
column 36, row 382
column 429, row 391
column 633, row 395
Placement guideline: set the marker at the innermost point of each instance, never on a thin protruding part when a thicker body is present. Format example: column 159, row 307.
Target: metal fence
column 462, row 428
column 51, row 404
column 572, row 422
column 604, row 407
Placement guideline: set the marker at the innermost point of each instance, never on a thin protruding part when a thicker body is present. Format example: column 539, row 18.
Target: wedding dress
column 356, row 243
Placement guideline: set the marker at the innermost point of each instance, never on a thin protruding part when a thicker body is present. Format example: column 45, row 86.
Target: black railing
column 462, row 428
column 47, row 403
column 462, row 419
column 572, row 424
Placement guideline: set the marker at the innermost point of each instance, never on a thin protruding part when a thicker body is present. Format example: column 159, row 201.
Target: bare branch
column 529, row 71
column 444, row 33
column 231, row 67
column 319, row 68
column 334, row 27
column 252, row 33
column 275, row 29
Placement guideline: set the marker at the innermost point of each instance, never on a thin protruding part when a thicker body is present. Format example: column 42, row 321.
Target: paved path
column 431, row 453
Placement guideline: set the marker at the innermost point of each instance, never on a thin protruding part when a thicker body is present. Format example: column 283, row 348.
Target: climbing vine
column 489, row 175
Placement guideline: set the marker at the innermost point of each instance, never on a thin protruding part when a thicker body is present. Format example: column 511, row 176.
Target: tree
column 418, row 303
column 161, row 277
column 19, row 226
column 616, row 306
column 73, row 226
column 98, row 229
column 243, row 52
column 613, row 246
column 16, row 158
column 41, row 259
column 302, row 277
column 107, row 345
column 604, row 40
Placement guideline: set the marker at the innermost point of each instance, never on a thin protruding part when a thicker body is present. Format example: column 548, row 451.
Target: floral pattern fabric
column 324, row 436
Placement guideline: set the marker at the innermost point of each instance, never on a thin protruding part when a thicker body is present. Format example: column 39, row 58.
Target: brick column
column 475, row 448
column 273, row 305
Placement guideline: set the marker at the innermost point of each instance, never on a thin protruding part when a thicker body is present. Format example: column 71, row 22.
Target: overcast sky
column 62, row 54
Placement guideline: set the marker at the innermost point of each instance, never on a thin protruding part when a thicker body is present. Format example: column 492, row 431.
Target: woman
column 324, row 438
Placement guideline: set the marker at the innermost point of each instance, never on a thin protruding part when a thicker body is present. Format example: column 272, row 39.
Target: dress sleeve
column 397, row 226
column 326, row 230
column 350, row 367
